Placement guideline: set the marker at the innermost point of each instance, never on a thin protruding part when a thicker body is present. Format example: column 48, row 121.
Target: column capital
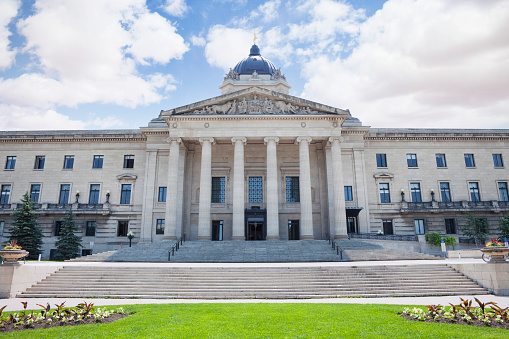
column 174, row 139
column 340, row 139
column 303, row 139
column 241, row 139
column 267, row 139
column 202, row 140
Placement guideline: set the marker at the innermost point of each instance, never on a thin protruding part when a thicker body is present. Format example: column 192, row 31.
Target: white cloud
column 227, row 46
column 8, row 10
column 198, row 41
column 268, row 11
column 176, row 7
column 15, row 118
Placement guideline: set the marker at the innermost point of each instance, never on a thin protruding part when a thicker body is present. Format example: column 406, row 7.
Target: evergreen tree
column 25, row 228
column 68, row 244
column 504, row 228
column 476, row 228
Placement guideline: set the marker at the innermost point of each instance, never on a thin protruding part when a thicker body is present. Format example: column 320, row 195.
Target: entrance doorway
column 256, row 226
column 254, row 230
column 217, row 230
column 293, row 230
column 352, row 224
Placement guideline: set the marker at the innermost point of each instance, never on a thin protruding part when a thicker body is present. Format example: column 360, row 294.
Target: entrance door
column 255, row 230
column 256, row 225
column 352, row 224
column 293, row 230
column 387, row 226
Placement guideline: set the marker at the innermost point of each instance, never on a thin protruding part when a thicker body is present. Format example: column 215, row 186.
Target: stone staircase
column 255, row 251
column 252, row 281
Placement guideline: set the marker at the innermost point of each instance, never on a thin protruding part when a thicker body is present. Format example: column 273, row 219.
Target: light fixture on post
column 108, row 196
column 77, row 196
column 402, row 195
column 433, row 195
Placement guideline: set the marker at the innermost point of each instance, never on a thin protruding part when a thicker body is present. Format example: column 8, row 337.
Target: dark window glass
column 68, row 161
column 35, row 191
column 497, row 160
column 411, row 160
column 419, row 226
column 122, row 228
column 129, row 161
column 98, row 161
column 255, row 189
column 125, row 196
column 293, row 230
column 450, row 226
column 292, row 189
column 385, row 196
column 2, row 223
column 474, row 191
column 94, row 194
column 161, row 197
column 10, row 164
column 445, row 192
column 387, row 227
column 217, row 230
column 469, row 160
column 160, row 226
column 415, row 190
column 6, row 192
column 64, row 194
column 58, row 226
column 440, row 160
column 348, row 193
column 90, row 229
column 218, row 187
column 502, row 190
column 39, row 162
column 381, row 160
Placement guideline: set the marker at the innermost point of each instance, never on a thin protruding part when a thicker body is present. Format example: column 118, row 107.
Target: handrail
column 335, row 246
column 176, row 246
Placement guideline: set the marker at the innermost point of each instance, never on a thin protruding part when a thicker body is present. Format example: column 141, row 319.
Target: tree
column 68, row 243
column 504, row 228
column 25, row 228
column 476, row 228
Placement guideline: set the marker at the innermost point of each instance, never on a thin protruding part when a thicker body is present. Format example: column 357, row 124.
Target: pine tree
column 68, row 244
column 25, row 228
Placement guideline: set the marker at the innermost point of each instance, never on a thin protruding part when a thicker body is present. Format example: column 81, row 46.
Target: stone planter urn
column 496, row 253
column 11, row 257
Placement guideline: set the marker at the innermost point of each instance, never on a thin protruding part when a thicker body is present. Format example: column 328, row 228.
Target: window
column 63, row 198
column 217, row 230
column 122, row 228
column 68, row 161
column 387, row 227
column 469, row 160
column 161, row 197
column 2, row 228
column 218, row 184
column 292, row 189
column 160, row 226
column 381, row 160
column 10, row 163
column 497, row 161
column 255, row 189
column 6, row 192
column 502, row 190
column 474, row 191
column 293, row 230
column 415, row 191
column 419, row 226
column 39, row 162
column 90, row 229
column 58, row 226
column 125, row 196
column 348, row 193
column 93, row 198
column 445, row 192
column 129, row 161
column 440, row 160
column 385, row 196
column 450, row 226
column 98, row 161
column 35, row 191
column 411, row 160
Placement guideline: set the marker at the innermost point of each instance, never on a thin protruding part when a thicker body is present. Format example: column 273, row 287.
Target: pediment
column 127, row 176
column 383, row 175
column 255, row 101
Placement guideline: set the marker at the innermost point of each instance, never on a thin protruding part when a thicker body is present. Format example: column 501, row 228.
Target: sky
column 115, row 64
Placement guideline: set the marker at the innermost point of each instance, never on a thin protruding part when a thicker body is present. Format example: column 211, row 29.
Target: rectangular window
column 63, row 198
column 348, row 193
column 497, row 161
column 474, row 191
column 122, row 228
column 58, row 226
column 93, row 198
column 292, row 189
column 411, row 160
column 381, row 160
column 255, row 190
column 293, row 230
column 68, row 161
column 387, row 227
column 90, row 229
column 217, row 230
column 415, row 191
column 125, row 196
column 450, row 226
column 39, row 162
column 469, row 160
column 502, row 191
column 218, row 188
column 161, row 196
column 129, row 161
column 5, row 195
column 419, row 226
column 35, row 191
column 160, row 226
column 10, row 163
column 440, row 160
column 2, row 228
column 445, row 192
column 98, row 161
column 385, row 196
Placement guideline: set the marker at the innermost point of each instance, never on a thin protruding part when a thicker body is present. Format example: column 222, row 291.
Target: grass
column 264, row 321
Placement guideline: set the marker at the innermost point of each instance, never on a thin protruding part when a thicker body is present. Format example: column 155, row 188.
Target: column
column 180, row 190
column 170, row 218
column 340, row 231
column 272, row 189
column 330, row 190
column 204, row 227
column 238, row 189
column 361, row 189
column 148, row 196
column 306, row 207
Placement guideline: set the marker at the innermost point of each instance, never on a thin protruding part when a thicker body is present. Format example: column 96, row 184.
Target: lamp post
column 130, row 236
column 108, row 196
column 402, row 195
column 77, row 196
column 433, row 195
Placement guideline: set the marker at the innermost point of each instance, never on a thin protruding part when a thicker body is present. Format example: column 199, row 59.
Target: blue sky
column 95, row 64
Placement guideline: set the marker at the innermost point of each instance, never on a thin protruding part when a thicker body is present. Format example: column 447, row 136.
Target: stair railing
column 335, row 246
column 176, row 246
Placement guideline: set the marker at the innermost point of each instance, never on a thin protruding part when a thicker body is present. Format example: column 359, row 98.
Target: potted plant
column 496, row 250
column 12, row 253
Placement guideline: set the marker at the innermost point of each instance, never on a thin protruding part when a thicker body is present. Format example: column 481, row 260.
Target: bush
column 433, row 238
column 25, row 228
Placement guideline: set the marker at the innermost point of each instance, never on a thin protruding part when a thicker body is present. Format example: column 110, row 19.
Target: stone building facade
column 254, row 163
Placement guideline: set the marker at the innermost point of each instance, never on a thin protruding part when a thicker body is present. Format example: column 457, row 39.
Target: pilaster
column 306, row 208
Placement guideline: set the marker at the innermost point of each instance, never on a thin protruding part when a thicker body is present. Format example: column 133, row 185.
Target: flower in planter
column 380, row 232
column 494, row 243
column 12, row 245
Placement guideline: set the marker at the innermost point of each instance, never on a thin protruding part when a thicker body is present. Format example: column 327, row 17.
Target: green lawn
column 264, row 321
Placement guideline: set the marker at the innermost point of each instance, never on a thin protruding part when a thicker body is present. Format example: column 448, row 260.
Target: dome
column 255, row 62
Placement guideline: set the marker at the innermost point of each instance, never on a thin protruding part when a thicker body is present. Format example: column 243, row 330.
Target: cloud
column 227, row 46
column 198, row 41
column 8, row 11
column 15, row 118
column 176, row 7
column 267, row 12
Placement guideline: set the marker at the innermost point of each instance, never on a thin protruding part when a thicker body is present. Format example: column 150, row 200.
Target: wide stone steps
column 253, row 282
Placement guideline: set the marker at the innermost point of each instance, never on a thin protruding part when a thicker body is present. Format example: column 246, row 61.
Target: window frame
column 255, row 195
column 441, row 160
column 68, row 162
column 160, row 223
column 348, row 193
column 381, row 160
column 5, row 193
column 60, row 192
column 218, row 190
column 40, row 160
column 474, row 191
column 415, row 192
column 498, row 161
column 35, row 194
column 445, row 190
column 384, row 193
column 505, row 195
column 469, row 160
column 125, row 194
column 292, row 189
column 419, row 226
column 122, row 228
column 89, row 233
column 451, row 227
column 411, row 159
column 162, row 193
column 10, row 163
column 128, row 161
column 94, row 193
column 97, row 162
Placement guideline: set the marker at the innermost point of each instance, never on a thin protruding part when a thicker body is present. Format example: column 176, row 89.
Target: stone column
column 306, row 206
column 180, row 190
column 361, row 189
column 170, row 218
column 272, row 189
column 148, row 195
column 238, row 189
column 204, row 228
column 330, row 189
column 340, row 231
